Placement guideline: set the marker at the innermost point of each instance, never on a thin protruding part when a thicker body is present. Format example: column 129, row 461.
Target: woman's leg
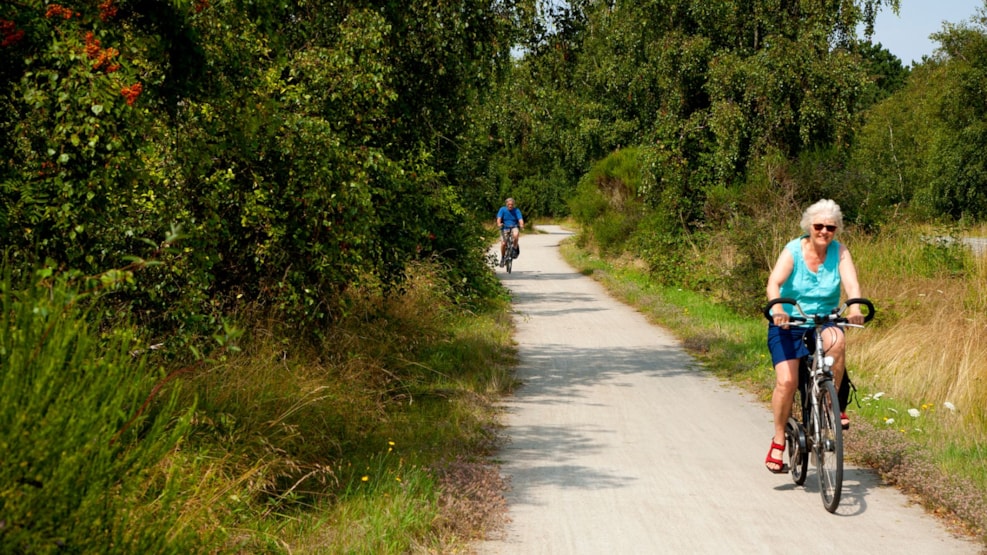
column 786, row 381
column 834, row 345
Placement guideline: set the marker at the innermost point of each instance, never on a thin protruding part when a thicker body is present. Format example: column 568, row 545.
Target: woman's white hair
column 824, row 209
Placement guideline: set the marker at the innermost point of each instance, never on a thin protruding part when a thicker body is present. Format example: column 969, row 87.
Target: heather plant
column 83, row 441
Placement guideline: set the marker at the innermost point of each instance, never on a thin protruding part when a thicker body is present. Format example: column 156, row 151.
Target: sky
column 906, row 35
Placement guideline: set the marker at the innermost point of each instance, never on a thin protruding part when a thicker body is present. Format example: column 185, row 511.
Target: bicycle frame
column 509, row 248
column 819, row 431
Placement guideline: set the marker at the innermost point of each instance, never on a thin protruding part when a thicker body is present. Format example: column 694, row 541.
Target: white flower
column 889, row 421
column 879, row 395
column 893, row 410
column 949, row 406
column 914, row 413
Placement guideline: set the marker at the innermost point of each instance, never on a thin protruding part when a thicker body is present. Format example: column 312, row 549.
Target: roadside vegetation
column 247, row 302
column 374, row 439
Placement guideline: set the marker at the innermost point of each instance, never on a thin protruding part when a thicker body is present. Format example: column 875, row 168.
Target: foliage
column 957, row 165
column 82, row 431
column 300, row 151
column 608, row 199
column 887, row 74
column 710, row 85
column 892, row 148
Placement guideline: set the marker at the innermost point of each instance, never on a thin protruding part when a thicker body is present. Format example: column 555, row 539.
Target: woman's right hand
column 780, row 319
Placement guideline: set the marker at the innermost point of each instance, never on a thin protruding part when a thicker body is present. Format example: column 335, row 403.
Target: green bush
column 608, row 199
column 80, row 450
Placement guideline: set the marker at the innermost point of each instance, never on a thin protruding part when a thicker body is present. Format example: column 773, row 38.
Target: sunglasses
column 829, row 227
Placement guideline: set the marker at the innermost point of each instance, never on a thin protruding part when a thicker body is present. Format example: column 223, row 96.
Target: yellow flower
column 365, row 479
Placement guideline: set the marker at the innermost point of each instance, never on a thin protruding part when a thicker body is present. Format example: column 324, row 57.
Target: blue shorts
column 789, row 344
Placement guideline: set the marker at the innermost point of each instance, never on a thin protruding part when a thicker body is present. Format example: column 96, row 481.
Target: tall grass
column 346, row 444
column 84, row 467
column 927, row 346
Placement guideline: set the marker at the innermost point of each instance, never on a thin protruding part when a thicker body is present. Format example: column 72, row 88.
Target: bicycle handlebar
column 836, row 316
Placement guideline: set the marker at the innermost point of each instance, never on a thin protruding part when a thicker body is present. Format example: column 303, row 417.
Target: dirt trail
column 619, row 444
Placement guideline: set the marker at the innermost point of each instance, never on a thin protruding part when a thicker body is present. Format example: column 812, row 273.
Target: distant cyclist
column 509, row 220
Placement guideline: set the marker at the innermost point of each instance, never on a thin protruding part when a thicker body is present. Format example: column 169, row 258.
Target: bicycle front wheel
column 829, row 451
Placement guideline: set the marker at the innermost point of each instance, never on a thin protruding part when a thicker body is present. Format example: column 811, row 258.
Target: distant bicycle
column 814, row 427
column 510, row 251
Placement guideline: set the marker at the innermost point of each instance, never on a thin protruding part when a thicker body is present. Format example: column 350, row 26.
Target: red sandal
column 844, row 421
column 782, row 467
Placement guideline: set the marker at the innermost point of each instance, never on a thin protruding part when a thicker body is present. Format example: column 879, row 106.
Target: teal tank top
column 818, row 292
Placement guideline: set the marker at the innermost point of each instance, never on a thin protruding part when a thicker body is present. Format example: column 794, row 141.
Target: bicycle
column 509, row 250
column 814, row 427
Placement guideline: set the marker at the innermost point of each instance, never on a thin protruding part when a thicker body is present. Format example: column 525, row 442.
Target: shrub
column 608, row 199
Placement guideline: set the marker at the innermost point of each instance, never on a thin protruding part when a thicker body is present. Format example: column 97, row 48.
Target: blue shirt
column 817, row 292
column 509, row 218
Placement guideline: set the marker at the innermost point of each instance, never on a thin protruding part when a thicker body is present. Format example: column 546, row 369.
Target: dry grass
column 927, row 344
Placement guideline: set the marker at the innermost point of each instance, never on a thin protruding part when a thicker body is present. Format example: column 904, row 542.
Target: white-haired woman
column 811, row 269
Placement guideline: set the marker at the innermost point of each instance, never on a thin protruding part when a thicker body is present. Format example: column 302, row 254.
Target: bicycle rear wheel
column 509, row 257
column 798, row 458
column 829, row 451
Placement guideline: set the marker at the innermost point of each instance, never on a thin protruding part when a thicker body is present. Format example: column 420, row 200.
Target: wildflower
column 365, row 479
column 949, row 406
column 879, row 395
column 889, row 421
column 914, row 413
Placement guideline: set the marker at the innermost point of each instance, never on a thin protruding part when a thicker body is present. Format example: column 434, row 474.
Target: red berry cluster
column 58, row 10
column 107, row 10
column 47, row 168
column 200, row 5
column 131, row 93
column 10, row 33
column 103, row 56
